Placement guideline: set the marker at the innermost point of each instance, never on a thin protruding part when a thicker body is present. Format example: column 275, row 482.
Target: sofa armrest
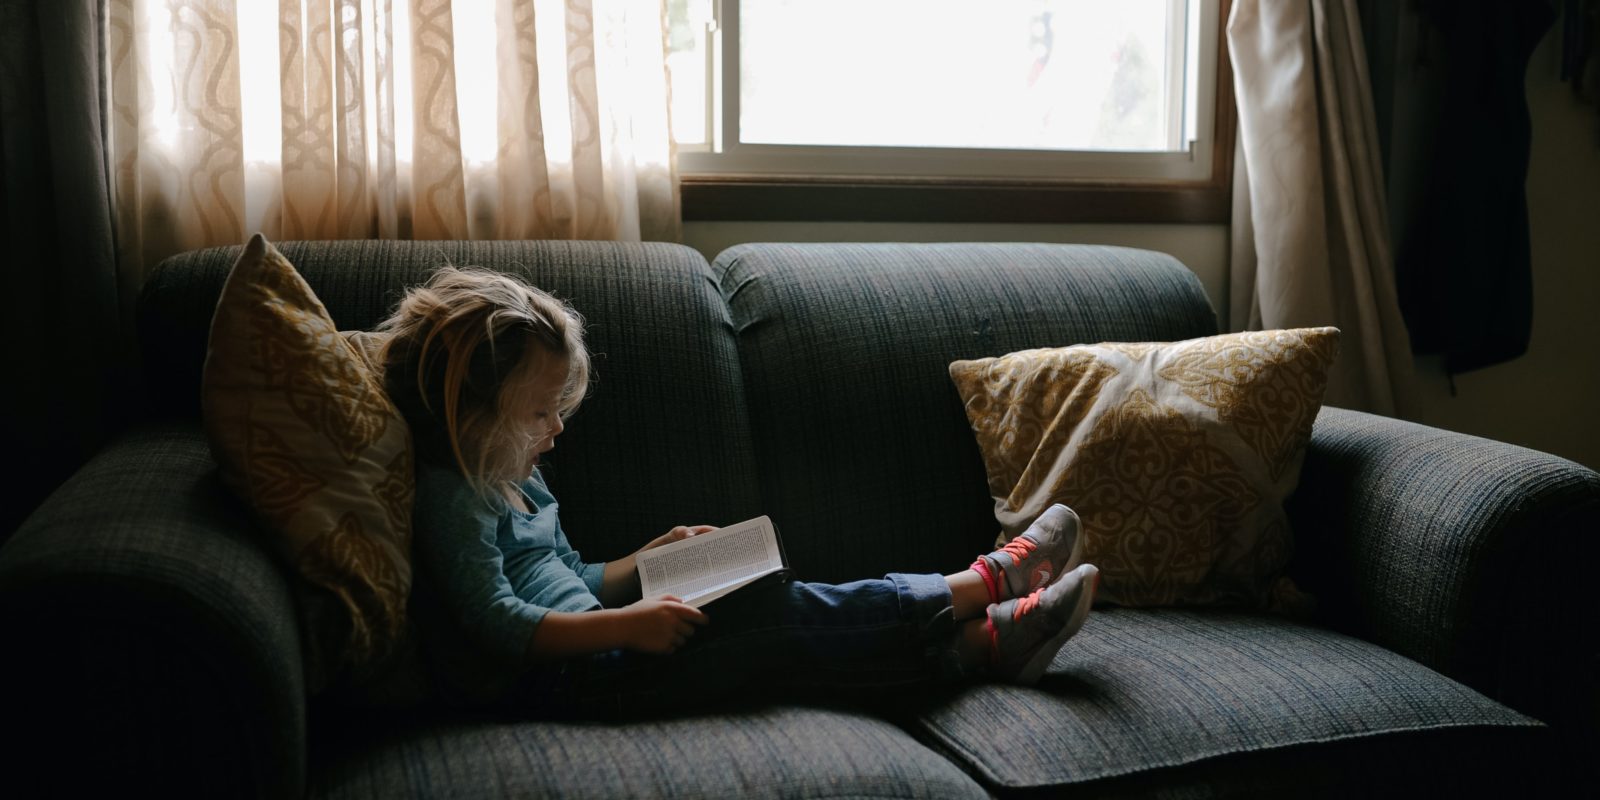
column 1471, row 556
column 150, row 639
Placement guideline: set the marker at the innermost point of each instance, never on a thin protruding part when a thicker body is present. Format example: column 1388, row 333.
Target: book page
column 701, row 568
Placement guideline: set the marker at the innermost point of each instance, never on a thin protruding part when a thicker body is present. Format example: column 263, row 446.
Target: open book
column 707, row 566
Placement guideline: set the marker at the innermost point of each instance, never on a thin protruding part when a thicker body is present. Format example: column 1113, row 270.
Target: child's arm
column 650, row 626
column 619, row 584
column 455, row 543
column 477, row 589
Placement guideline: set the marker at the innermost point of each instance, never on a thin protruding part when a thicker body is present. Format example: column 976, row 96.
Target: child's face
column 535, row 407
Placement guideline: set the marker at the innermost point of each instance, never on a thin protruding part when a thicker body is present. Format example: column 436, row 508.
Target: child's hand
column 620, row 581
column 678, row 534
column 660, row 625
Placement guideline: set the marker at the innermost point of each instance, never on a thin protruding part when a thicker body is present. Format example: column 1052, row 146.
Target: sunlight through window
column 933, row 87
column 476, row 81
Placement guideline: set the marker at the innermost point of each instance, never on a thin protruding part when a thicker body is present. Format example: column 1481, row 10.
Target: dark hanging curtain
column 1454, row 128
column 64, row 337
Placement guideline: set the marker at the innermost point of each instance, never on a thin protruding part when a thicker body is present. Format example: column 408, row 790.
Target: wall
column 1542, row 400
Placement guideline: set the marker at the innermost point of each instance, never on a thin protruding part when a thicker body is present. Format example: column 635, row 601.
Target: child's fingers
column 681, row 532
column 690, row 613
column 683, row 610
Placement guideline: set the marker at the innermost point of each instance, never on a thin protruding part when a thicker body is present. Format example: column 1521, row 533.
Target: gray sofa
column 153, row 645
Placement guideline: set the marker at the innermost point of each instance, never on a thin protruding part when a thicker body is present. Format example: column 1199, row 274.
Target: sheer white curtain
column 1310, row 230
column 427, row 119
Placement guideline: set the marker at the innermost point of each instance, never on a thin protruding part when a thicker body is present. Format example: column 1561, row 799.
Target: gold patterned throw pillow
column 303, row 432
column 1177, row 457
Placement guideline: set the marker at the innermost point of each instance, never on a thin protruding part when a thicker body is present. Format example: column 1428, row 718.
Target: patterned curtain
column 425, row 119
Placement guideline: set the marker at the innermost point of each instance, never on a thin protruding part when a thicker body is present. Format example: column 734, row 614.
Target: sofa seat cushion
column 769, row 752
column 1142, row 691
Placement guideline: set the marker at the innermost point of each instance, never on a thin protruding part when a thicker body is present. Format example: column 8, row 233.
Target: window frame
column 756, row 196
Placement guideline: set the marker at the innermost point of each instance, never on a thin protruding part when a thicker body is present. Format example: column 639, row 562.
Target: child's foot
column 1046, row 550
column 1026, row 633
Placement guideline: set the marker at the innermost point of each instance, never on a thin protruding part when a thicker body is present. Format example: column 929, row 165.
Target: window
column 1018, row 110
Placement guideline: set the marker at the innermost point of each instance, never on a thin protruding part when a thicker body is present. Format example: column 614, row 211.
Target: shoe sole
column 1035, row 667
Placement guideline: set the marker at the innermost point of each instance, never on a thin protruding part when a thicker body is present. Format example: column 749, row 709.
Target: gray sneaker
column 1028, row 631
column 1045, row 551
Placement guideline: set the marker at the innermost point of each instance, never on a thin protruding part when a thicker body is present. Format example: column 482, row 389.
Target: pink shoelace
column 1019, row 549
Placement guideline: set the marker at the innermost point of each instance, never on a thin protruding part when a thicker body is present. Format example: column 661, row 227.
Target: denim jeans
column 864, row 639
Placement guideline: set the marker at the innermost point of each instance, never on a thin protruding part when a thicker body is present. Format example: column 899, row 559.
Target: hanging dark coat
column 1462, row 258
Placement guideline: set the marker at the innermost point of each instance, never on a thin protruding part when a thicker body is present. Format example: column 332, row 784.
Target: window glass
column 952, row 75
column 1034, row 74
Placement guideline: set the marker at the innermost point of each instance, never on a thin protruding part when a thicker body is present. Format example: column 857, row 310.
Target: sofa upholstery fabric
column 1471, row 556
column 773, row 752
column 1143, row 689
column 142, row 589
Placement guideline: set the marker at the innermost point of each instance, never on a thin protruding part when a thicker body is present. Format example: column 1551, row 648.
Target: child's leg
column 865, row 638
column 973, row 643
column 969, row 595
column 879, row 634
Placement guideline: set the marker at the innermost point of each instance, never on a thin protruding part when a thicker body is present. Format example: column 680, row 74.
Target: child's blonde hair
column 455, row 343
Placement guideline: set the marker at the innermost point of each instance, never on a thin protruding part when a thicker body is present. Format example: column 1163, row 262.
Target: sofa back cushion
column 662, row 438
column 867, row 460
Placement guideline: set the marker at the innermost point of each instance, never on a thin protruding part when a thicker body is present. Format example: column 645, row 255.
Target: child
column 486, row 370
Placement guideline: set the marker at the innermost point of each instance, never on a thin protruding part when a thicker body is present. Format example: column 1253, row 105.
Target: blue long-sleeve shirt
column 494, row 573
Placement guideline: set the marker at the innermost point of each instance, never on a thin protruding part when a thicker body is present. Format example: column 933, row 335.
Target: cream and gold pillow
column 304, row 433
column 1176, row 456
